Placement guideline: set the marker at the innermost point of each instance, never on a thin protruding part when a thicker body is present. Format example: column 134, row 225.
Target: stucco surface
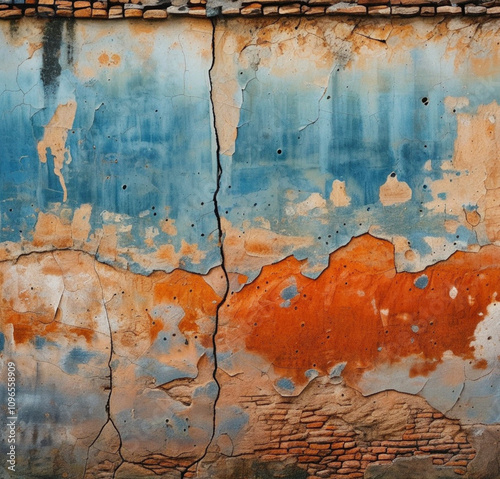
column 251, row 248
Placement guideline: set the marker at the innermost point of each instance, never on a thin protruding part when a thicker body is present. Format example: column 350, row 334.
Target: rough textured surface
column 251, row 248
column 161, row 9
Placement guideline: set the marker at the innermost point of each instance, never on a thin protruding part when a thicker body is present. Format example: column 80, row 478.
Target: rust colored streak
column 28, row 325
column 361, row 311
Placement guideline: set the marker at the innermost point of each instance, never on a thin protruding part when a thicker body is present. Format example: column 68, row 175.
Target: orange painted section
column 360, row 310
column 27, row 326
column 197, row 299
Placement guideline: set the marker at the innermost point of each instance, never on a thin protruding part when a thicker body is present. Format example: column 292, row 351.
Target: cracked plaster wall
column 252, row 248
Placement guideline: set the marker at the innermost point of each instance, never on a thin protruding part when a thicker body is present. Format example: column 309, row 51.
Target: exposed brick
column 131, row 13
column 378, row 450
column 449, row 10
column 352, row 464
column 345, row 8
column 338, row 445
column 435, row 448
column 277, row 452
column 347, row 457
column 10, row 13
column 456, row 463
column 288, row 444
column 278, row 417
column 297, row 450
column 338, row 452
column 319, row 446
column 47, row 11
column 475, row 10
column 314, row 418
column 306, row 459
column 314, row 425
column 386, row 457
column 380, row 10
column 405, row 11
column 197, row 11
column 399, row 443
column 155, row 14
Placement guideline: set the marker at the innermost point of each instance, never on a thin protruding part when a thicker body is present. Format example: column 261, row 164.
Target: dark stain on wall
column 51, row 67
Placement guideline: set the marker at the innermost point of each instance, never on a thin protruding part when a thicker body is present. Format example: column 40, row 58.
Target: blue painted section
column 231, row 421
column 141, row 146
column 290, row 292
column 75, row 358
column 422, row 281
column 285, row 384
column 365, row 126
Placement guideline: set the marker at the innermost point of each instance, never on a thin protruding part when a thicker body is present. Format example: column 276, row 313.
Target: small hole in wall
column 279, row 151
column 393, row 175
column 124, row 187
column 425, row 100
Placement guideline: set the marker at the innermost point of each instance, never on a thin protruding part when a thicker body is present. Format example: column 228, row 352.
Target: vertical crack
column 108, row 402
column 221, row 249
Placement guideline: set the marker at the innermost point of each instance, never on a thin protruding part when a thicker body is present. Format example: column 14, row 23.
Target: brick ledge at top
column 11, row 9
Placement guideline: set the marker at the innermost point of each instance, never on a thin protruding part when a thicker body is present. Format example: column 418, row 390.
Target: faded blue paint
column 209, row 390
column 231, row 421
column 75, row 358
column 422, row 281
column 291, row 136
column 285, row 384
column 141, row 145
column 290, row 292
column 2, row 341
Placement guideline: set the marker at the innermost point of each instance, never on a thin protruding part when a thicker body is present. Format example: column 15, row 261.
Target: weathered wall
column 251, row 248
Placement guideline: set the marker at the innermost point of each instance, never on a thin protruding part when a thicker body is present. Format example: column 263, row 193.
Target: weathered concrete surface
column 251, row 248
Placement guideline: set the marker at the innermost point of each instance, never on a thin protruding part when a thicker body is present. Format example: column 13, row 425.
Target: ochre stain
column 481, row 364
column 109, row 61
column 197, row 299
column 156, row 327
column 54, row 139
column 27, row 326
column 360, row 310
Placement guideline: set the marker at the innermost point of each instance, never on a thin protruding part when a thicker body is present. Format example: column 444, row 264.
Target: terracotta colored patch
column 361, row 311
column 194, row 295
